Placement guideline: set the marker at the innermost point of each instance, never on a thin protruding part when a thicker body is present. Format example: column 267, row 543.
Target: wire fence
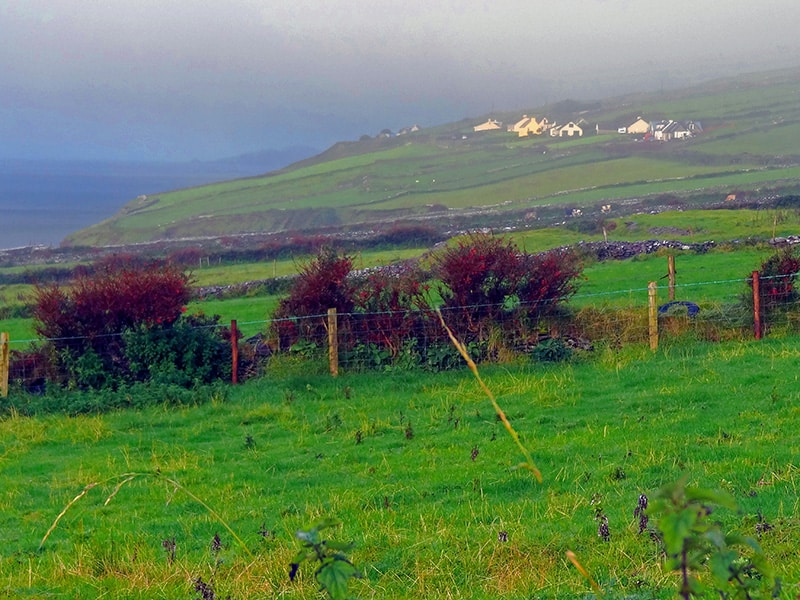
column 715, row 310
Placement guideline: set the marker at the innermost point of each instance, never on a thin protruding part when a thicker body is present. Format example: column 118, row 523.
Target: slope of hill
column 452, row 175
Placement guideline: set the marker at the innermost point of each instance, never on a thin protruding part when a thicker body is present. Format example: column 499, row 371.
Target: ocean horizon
column 44, row 208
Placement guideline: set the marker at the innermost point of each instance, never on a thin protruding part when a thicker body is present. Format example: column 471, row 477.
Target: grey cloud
column 201, row 78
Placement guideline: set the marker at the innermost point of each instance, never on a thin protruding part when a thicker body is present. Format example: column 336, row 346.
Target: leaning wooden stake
column 4, row 364
column 756, row 306
column 333, row 342
column 671, row 275
column 652, row 294
column 234, row 353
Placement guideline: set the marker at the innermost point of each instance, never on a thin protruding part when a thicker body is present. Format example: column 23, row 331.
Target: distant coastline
column 43, row 208
column 41, row 202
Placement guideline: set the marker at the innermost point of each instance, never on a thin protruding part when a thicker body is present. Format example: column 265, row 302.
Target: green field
column 418, row 470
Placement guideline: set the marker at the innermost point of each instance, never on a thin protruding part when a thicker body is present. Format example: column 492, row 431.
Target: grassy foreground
column 418, row 469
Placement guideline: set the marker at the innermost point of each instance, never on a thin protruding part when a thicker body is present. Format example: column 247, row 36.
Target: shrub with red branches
column 777, row 279
column 477, row 275
column 391, row 308
column 84, row 322
column 547, row 279
column 487, row 282
column 321, row 284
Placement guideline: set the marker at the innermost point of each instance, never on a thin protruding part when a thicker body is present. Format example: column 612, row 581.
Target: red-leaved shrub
column 476, row 275
column 487, row 282
column 321, row 284
column 547, row 279
column 111, row 300
column 391, row 308
column 776, row 279
column 83, row 323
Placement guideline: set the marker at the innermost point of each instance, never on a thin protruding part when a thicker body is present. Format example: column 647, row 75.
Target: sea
column 42, row 202
column 43, row 208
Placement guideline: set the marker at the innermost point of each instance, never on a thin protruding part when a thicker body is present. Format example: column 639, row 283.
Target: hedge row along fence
column 125, row 323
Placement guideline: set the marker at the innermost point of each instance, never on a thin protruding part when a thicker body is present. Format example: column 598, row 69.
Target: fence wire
column 715, row 310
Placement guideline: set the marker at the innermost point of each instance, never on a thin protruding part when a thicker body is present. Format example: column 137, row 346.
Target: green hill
column 450, row 174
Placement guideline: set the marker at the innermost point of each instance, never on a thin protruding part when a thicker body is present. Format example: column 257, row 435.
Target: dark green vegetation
column 419, row 471
column 450, row 176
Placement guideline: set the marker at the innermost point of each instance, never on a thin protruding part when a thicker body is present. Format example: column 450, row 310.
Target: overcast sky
column 200, row 79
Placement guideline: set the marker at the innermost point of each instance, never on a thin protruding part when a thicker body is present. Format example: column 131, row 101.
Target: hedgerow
column 484, row 283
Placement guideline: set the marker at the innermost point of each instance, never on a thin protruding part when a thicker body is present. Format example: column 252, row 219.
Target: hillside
column 453, row 176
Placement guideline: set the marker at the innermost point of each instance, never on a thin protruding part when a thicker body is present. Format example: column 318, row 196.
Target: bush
column 776, row 279
column 477, row 275
column 115, row 298
column 552, row 350
column 486, row 281
column 322, row 284
column 547, row 280
column 83, row 324
column 391, row 308
column 193, row 351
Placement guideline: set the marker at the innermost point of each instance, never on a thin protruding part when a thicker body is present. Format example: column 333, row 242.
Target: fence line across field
column 331, row 318
column 577, row 299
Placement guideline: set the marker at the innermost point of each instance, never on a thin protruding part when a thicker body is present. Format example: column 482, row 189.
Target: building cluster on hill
column 663, row 130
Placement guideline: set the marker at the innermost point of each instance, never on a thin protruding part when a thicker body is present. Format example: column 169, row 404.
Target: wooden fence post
column 234, row 353
column 652, row 296
column 756, row 306
column 4, row 364
column 333, row 342
column 671, row 275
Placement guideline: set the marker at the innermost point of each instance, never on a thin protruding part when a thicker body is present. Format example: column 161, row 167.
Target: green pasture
column 777, row 141
column 644, row 175
column 763, row 96
column 419, row 471
column 227, row 273
column 700, row 278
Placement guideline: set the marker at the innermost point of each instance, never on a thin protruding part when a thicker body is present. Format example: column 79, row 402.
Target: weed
column 169, row 546
column 693, row 543
column 265, row 533
column 641, row 513
column 618, row 474
column 334, row 570
column 205, row 590
column 551, row 350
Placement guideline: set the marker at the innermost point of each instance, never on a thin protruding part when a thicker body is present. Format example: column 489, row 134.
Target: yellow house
column 489, row 125
column 528, row 126
column 638, row 127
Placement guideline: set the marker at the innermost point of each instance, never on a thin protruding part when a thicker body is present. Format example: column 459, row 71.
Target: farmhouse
column 529, row 126
column 571, row 129
column 666, row 130
column 489, row 125
column 639, row 126
column 406, row 130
